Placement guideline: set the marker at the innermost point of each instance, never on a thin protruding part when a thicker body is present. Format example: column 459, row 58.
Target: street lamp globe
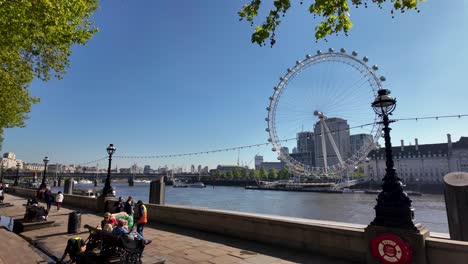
column 384, row 103
column 46, row 160
column 110, row 149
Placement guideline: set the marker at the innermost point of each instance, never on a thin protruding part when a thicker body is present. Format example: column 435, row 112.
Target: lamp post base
column 413, row 240
column 393, row 207
column 108, row 192
column 393, row 216
column 105, row 203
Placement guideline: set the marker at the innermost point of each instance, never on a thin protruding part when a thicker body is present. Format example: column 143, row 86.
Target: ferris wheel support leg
column 335, row 148
column 324, row 147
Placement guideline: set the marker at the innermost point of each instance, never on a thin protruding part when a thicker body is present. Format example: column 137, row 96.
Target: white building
column 421, row 163
column 136, row 170
column 9, row 161
column 258, row 161
column 33, row 166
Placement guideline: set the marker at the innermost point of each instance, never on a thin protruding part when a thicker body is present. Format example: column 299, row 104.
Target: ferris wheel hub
column 320, row 115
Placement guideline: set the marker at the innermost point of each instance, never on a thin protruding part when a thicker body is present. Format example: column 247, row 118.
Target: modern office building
column 359, row 140
column 339, row 130
column 305, row 150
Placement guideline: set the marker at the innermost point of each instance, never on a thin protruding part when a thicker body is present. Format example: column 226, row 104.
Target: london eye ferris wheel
column 320, row 119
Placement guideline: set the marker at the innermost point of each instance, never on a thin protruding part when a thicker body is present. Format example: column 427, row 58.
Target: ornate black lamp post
column 18, row 165
column 43, row 183
column 108, row 191
column 1, row 171
column 393, row 207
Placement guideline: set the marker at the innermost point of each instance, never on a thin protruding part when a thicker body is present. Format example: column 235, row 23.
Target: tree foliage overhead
column 335, row 14
column 35, row 42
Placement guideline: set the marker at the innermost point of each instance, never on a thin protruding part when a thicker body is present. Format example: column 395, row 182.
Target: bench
column 23, row 226
column 114, row 248
column 34, row 218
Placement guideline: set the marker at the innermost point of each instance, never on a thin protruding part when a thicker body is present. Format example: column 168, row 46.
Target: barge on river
column 326, row 187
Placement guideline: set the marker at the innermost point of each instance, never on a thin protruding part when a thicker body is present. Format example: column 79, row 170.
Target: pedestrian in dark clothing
column 119, row 205
column 128, row 207
column 48, row 198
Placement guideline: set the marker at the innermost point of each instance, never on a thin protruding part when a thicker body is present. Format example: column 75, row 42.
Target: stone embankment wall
column 342, row 240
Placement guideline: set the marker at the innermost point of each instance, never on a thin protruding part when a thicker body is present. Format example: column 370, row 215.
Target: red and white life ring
column 391, row 249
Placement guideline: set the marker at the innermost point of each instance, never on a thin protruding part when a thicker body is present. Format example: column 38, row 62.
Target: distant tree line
column 253, row 174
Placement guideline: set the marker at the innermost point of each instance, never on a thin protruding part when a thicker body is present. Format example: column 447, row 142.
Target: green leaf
column 36, row 42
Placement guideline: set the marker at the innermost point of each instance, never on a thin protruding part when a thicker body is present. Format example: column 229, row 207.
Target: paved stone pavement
column 14, row 249
column 172, row 244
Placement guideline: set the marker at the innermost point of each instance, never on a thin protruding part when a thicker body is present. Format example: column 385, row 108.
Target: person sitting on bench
column 121, row 230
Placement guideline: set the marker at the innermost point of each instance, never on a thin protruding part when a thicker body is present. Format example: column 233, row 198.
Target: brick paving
column 171, row 244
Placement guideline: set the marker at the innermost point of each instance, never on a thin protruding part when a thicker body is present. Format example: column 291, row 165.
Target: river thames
column 341, row 207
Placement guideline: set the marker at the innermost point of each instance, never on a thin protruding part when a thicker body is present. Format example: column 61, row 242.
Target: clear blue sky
column 164, row 77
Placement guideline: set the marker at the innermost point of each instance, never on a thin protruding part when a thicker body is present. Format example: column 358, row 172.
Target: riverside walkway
column 170, row 244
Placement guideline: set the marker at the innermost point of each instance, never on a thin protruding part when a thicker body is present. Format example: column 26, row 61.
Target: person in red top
column 141, row 215
column 108, row 219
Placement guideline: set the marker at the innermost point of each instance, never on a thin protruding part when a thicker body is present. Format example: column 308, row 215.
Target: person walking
column 141, row 216
column 59, row 200
column 128, row 206
column 48, row 198
column 2, row 197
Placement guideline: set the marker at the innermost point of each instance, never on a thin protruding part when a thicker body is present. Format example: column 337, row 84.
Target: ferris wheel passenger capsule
column 331, row 50
column 273, row 149
column 268, row 108
column 267, row 129
column 343, row 50
column 267, row 119
column 382, row 78
column 354, row 53
column 365, row 59
column 308, row 56
column 319, row 52
column 298, row 62
column 275, row 88
column 281, row 78
column 271, row 98
column 270, row 140
column 289, row 70
column 375, row 67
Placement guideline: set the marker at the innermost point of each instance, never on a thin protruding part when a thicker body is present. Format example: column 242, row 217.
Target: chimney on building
column 416, row 144
column 402, row 145
column 449, row 143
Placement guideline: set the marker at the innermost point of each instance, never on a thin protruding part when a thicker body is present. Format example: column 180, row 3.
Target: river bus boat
column 184, row 184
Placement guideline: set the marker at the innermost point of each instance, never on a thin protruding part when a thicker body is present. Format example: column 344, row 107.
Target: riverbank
column 174, row 245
